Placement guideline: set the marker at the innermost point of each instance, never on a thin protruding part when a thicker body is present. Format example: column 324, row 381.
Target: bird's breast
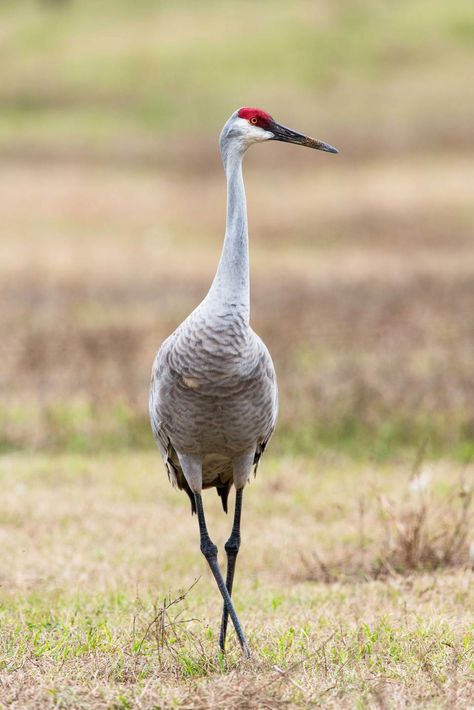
column 214, row 388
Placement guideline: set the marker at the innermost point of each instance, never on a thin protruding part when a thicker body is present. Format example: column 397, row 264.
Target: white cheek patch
column 260, row 134
column 252, row 133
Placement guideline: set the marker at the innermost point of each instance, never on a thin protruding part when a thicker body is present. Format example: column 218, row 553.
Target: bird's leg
column 209, row 550
column 232, row 548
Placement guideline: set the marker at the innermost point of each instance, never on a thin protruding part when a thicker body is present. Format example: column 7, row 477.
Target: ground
column 96, row 548
column 354, row 580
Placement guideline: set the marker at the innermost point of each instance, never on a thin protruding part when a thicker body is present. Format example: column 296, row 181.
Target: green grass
column 110, row 71
column 91, row 614
column 85, row 428
column 373, row 249
column 354, row 580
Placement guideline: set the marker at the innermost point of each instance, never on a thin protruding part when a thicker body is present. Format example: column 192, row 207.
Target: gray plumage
column 213, row 396
column 213, row 393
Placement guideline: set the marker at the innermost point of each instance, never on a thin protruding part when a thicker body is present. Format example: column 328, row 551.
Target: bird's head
column 252, row 125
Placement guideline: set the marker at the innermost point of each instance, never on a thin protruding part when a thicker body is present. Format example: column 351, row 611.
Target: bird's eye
column 253, row 120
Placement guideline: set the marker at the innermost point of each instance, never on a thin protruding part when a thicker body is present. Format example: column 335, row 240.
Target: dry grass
column 91, row 549
column 112, row 213
column 355, row 590
column 417, row 533
column 369, row 328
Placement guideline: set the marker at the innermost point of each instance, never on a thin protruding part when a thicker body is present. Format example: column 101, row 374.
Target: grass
column 416, row 533
column 354, row 582
column 92, row 614
column 93, row 277
column 125, row 72
column 114, row 151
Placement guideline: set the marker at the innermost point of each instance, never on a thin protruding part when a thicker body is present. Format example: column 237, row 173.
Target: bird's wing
column 162, row 439
column 259, row 451
column 266, row 364
column 165, row 447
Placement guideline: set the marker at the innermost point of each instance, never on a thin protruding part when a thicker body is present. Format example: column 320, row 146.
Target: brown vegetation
column 354, row 580
column 417, row 533
column 365, row 307
column 92, row 616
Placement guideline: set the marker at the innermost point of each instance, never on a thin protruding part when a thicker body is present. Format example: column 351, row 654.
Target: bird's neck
column 230, row 288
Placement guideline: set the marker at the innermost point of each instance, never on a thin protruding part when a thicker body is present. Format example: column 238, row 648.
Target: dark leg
column 209, row 550
column 232, row 548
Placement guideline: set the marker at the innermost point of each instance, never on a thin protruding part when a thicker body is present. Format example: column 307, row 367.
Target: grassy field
column 354, row 582
column 374, row 249
column 370, row 331
column 348, row 601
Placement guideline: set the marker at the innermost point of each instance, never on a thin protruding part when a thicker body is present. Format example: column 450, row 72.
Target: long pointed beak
column 287, row 135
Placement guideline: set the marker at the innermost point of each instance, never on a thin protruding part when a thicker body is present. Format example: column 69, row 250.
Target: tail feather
column 223, row 493
column 185, row 487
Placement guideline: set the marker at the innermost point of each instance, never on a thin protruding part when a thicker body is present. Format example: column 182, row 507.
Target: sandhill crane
column 213, row 395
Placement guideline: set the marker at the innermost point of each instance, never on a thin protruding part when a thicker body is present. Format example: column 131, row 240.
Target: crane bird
column 213, row 394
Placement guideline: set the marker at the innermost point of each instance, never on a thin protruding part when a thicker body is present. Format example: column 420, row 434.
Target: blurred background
column 112, row 213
